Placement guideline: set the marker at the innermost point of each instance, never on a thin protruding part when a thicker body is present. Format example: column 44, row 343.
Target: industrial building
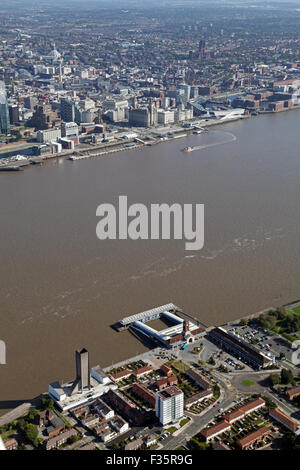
column 83, row 374
column 88, row 385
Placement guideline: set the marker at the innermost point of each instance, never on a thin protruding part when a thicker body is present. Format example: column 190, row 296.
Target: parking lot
column 270, row 344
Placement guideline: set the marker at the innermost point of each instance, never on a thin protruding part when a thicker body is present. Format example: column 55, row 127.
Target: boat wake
column 214, row 144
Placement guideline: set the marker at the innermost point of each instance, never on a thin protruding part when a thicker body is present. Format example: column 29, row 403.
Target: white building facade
column 169, row 405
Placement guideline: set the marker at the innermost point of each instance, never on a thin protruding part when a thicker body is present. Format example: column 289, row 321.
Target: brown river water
column 61, row 288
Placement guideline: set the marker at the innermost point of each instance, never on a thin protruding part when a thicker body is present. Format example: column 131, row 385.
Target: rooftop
column 169, row 392
column 253, row 436
column 147, row 313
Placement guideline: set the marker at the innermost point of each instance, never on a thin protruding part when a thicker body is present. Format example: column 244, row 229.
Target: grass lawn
column 184, row 421
column 289, row 337
column 248, row 383
column 297, row 310
column 180, row 366
column 172, row 429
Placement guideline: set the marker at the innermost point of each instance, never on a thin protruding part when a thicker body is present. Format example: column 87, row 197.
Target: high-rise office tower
column 67, row 110
column 30, row 102
column 202, row 45
column 4, row 111
column 14, row 114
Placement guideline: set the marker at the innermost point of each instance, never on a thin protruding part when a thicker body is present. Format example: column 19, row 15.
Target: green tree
column 47, row 403
column 286, row 376
column 31, row 432
column 32, row 414
column 212, row 361
column 274, row 379
column 270, row 405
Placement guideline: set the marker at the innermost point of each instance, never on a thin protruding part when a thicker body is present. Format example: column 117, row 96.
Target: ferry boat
column 188, row 149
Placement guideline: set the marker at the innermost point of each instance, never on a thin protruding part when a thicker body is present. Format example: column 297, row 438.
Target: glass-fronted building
column 4, row 111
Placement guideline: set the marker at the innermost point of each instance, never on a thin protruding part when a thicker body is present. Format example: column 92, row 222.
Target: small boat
column 188, row 149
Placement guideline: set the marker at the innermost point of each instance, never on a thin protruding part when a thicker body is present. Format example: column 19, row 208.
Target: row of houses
column 240, row 413
column 253, row 438
column 293, row 392
column 146, row 395
column 59, row 440
column 206, row 388
column 213, row 431
column 138, row 373
column 289, row 423
column 125, row 407
column 107, row 430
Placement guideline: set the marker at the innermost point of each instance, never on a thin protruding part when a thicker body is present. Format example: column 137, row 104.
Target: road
column 198, row 423
column 15, row 413
column 227, row 397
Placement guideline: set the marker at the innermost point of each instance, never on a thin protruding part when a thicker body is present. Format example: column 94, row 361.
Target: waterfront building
column 83, row 373
column 88, row 385
column 100, row 375
column 4, row 111
column 140, row 117
column 165, row 117
column 239, row 348
column 169, row 405
column 69, row 130
column 48, row 135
